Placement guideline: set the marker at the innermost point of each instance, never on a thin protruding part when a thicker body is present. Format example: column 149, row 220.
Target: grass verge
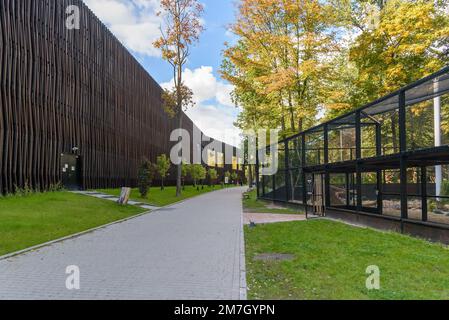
column 330, row 261
column 160, row 198
column 254, row 205
column 38, row 218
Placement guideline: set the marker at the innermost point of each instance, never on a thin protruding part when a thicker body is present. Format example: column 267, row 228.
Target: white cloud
column 216, row 122
column 205, row 86
column 214, row 112
column 134, row 22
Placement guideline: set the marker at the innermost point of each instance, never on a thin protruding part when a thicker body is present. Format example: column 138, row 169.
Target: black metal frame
column 401, row 160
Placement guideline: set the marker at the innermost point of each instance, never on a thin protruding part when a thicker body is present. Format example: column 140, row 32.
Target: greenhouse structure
column 384, row 165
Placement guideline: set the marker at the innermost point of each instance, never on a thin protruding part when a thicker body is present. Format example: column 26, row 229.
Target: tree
column 184, row 173
column 197, row 172
column 145, row 177
column 234, row 177
column 182, row 29
column 202, row 176
column 162, row 167
column 279, row 62
column 397, row 42
column 213, row 176
column 410, row 41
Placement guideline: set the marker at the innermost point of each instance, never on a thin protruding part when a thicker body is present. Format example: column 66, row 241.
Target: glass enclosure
column 389, row 158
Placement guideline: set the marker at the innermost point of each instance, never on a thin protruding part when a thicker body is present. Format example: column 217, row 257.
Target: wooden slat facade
column 61, row 89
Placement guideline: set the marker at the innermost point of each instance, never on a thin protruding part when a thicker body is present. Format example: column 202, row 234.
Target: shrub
column 197, row 173
column 185, row 169
column 23, row 192
column 213, row 176
column 234, row 177
column 56, row 187
column 145, row 177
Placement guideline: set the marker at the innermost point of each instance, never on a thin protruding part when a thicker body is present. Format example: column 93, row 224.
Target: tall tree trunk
column 179, row 167
column 292, row 112
column 250, row 175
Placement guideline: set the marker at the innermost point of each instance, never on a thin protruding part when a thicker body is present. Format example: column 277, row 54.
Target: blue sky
column 136, row 25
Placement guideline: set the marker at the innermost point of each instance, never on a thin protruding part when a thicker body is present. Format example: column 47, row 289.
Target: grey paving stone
column 188, row 251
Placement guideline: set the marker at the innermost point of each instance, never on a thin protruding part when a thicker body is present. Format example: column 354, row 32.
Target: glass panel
column 391, row 181
column 314, row 148
column 391, row 188
column 211, row 158
column 281, row 156
column 438, row 180
column 280, row 190
column 338, row 190
column 220, row 160
column 342, row 144
column 389, row 122
column 392, row 205
column 369, row 189
column 296, row 186
column 414, row 182
column 421, row 123
column 294, row 154
column 234, row 163
column 268, row 186
column 368, row 140
column 438, row 210
column 414, row 208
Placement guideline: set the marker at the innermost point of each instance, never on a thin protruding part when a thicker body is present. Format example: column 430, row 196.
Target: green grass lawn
column 330, row 261
column 38, row 218
column 160, row 198
column 254, row 205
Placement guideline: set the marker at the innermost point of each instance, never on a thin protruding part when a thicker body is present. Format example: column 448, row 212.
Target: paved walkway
column 263, row 218
column 188, row 251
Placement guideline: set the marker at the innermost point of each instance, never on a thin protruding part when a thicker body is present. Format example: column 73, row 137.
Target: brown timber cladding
column 62, row 89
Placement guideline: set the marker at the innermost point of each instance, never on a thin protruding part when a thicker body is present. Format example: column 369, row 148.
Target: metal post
column 424, row 193
column 437, row 134
column 327, row 189
column 358, row 151
column 326, row 144
column 404, row 204
column 257, row 168
column 348, row 186
column 402, row 123
column 379, row 192
column 286, row 172
column 303, row 164
column 273, row 186
column 403, row 149
column 378, row 140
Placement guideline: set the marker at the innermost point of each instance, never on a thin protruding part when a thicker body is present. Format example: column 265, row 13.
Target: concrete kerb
column 243, row 284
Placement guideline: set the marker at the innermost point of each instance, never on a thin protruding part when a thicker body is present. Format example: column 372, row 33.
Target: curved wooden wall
column 63, row 88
